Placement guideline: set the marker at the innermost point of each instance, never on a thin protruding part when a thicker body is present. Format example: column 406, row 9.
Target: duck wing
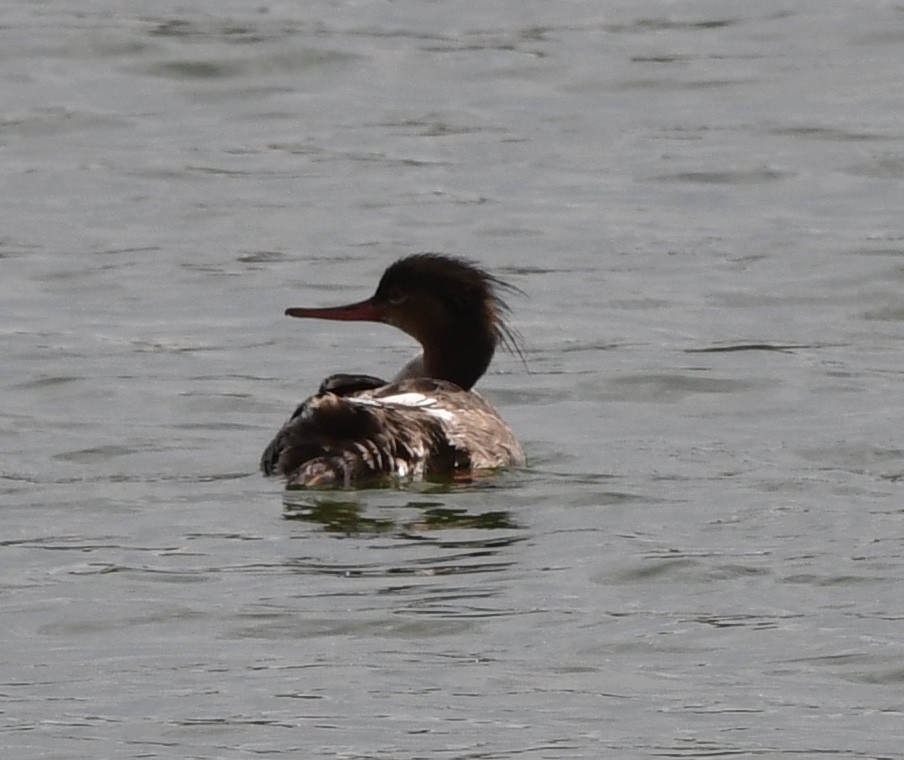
column 407, row 430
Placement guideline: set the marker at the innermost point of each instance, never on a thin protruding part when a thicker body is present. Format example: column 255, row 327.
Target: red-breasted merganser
column 360, row 431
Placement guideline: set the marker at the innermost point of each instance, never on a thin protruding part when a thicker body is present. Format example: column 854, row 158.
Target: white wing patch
column 409, row 399
column 412, row 400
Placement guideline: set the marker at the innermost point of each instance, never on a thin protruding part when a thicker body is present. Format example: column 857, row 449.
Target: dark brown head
column 452, row 307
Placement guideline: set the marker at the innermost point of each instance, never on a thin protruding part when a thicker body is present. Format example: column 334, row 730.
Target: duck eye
column 395, row 297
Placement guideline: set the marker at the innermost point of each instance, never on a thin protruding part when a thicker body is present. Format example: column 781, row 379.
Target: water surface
column 702, row 203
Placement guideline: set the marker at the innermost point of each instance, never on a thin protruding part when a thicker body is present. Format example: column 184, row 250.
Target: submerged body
column 360, row 431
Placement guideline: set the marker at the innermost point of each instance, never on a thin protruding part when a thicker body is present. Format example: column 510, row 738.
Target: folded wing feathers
column 394, row 432
column 352, row 439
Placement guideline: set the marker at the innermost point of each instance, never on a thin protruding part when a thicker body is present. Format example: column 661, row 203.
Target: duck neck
column 461, row 359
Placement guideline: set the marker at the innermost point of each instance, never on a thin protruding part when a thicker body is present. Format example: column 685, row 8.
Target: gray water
column 703, row 205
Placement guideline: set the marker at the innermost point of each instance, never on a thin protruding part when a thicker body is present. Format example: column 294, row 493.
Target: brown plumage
column 359, row 431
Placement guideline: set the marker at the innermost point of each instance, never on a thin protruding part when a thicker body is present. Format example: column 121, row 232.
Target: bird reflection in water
column 350, row 516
